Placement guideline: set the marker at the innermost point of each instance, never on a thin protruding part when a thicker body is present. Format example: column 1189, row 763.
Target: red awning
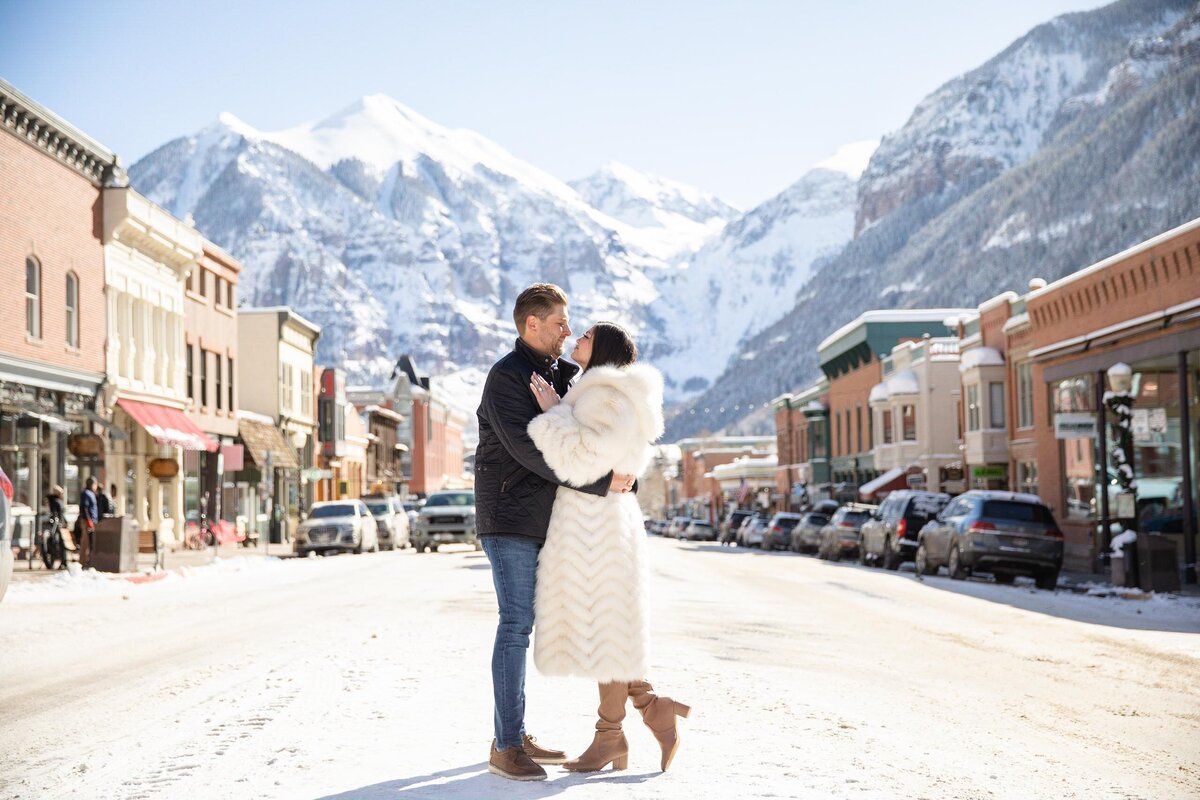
column 168, row 426
column 890, row 481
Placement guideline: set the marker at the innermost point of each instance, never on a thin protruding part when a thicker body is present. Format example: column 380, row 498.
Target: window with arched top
column 72, row 310
column 33, row 297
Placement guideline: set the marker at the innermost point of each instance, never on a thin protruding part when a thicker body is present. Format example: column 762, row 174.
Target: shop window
column 191, row 394
column 910, row 422
column 203, row 377
column 996, row 405
column 1025, row 395
column 1027, row 476
column 973, row 407
column 33, row 298
column 72, row 310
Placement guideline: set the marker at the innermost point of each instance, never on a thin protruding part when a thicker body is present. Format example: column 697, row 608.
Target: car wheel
column 924, row 567
column 1047, row 579
column 862, row 557
column 891, row 559
column 958, row 570
column 1003, row 578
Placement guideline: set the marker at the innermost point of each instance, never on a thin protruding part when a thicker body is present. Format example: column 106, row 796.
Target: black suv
column 890, row 536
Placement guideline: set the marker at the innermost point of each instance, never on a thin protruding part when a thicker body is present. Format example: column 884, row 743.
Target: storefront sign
column 1126, row 505
column 1074, row 425
column 163, row 468
column 988, row 473
column 916, row 480
column 85, row 445
column 233, row 457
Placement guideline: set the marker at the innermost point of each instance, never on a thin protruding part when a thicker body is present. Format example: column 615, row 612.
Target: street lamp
column 1119, row 400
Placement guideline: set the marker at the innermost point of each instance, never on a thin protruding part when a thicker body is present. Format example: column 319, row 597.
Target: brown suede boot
column 609, row 745
column 659, row 714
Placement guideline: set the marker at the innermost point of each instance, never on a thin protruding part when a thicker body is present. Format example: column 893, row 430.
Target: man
column 514, row 494
column 89, row 512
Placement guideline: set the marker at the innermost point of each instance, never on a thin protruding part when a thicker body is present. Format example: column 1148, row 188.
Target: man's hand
column 621, row 483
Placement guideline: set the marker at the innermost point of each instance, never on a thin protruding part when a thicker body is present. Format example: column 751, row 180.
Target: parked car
column 890, row 536
column 676, row 526
column 733, row 520
column 842, row 536
column 806, row 536
column 337, row 526
column 6, row 532
column 391, row 520
column 1004, row 533
column 751, row 532
column 778, row 533
column 446, row 517
column 826, row 507
column 699, row 530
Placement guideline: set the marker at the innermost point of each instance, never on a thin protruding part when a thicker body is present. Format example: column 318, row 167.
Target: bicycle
column 50, row 543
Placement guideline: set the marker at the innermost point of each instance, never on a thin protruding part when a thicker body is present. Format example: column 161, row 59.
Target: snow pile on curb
column 76, row 582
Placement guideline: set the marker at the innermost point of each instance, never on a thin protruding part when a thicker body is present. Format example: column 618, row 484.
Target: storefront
column 269, row 478
column 1118, row 350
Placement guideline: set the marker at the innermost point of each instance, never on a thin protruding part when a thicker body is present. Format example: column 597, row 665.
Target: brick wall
column 52, row 213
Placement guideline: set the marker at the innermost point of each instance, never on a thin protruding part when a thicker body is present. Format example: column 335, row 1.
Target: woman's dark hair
column 612, row 346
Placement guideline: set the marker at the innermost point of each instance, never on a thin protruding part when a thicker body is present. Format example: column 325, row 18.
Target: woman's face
column 582, row 353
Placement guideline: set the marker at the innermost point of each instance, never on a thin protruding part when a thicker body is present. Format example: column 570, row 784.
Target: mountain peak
column 230, row 121
column 851, row 159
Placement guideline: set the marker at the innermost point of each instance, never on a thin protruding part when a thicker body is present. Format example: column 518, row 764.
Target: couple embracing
column 559, row 451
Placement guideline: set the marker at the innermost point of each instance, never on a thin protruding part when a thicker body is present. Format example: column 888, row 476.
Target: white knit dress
column 590, row 610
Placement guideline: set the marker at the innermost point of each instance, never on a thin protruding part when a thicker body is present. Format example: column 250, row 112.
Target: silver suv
column 447, row 517
column 337, row 525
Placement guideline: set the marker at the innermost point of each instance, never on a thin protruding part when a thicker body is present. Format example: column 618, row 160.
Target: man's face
column 549, row 335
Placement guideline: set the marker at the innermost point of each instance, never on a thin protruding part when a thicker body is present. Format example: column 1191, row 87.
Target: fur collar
column 640, row 383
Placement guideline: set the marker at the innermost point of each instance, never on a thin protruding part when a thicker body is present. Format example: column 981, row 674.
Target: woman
column 591, row 605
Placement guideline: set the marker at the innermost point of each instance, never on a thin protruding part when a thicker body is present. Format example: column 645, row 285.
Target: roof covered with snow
column 980, row 357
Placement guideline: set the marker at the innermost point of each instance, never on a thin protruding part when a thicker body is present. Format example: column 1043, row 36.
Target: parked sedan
column 778, row 533
column 337, row 526
column 751, row 532
column 806, row 536
column 890, row 536
column 1004, row 533
column 699, row 531
column 391, row 520
column 843, row 535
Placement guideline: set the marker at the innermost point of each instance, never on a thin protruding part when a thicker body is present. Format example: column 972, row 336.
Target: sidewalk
column 172, row 559
column 1085, row 582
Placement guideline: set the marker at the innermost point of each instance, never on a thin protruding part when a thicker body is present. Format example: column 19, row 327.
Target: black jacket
column 514, row 488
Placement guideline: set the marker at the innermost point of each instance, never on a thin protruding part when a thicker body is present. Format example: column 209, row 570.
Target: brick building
column 52, row 345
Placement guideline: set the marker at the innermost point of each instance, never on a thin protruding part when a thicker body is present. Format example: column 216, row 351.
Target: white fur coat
column 591, row 608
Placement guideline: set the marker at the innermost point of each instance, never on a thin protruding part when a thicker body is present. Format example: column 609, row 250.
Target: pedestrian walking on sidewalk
column 85, row 523
column 514, row 494
column 591, row 606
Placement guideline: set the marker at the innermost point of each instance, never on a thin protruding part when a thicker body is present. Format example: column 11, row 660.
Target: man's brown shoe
column 539, row 754
column 514, row 765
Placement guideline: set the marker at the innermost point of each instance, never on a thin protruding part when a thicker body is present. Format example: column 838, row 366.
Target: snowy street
column 368, row 676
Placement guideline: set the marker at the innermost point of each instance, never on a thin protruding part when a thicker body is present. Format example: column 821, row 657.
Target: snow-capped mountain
column 999, row 115
column 664, row 217
column 1054, row 168
column 396, row 234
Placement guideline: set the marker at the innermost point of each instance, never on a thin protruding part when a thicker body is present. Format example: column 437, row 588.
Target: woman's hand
column 543, row 392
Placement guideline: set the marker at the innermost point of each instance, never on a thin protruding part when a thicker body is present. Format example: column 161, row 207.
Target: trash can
column 1158, row 563
column 115, row 545
column 1125, row 566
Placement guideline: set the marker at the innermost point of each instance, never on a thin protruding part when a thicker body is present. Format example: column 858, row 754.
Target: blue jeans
column 514, row 574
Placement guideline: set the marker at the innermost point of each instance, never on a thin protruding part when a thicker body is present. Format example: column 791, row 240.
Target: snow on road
column 368, row 677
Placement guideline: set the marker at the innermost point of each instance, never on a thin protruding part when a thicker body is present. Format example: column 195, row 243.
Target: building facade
column 147, row 256
column 52, row 345
column 210, row 332
column 277, row 381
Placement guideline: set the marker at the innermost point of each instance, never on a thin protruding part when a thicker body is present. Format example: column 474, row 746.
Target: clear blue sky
column 738, row 98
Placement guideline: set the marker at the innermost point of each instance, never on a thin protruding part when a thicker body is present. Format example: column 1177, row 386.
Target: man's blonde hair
column 540, row 300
